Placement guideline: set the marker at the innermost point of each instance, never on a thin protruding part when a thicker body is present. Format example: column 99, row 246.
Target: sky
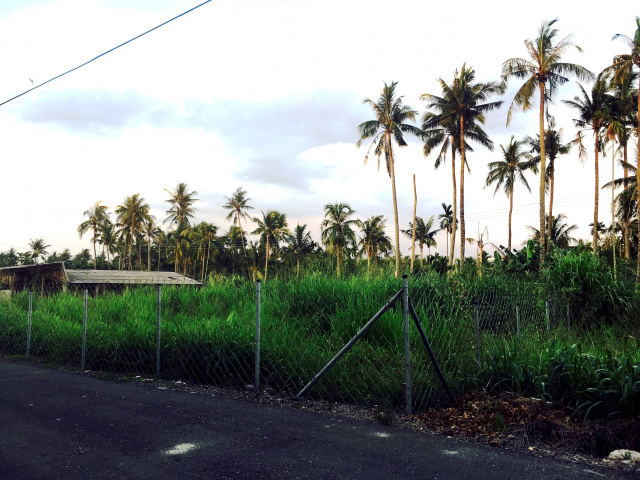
column 267, row 96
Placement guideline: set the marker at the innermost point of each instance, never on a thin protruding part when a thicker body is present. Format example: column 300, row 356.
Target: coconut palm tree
column 97, row 215
column 337, row 230
column 150, row 231
column 464, row 102
column 38, row 249
column 300, row 245
column 506, row 172
column 545, row 70
column 131, row 216
column 238, row 204
column 447, row 222
column 107, row 239
column 182, row 210
column 205, row 233
column 626, row 203
column 554, row 147
column 623, row 68
column 272, row 226
column 390, row 123
column 559, row 231
column 424, row 234
column 442, row 130
column 592, row 113
column 374, row 239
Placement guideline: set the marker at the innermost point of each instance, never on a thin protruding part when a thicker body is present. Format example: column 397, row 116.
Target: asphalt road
column 56, row 424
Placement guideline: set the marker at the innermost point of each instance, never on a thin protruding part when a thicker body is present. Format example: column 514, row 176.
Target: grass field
column 208, row 335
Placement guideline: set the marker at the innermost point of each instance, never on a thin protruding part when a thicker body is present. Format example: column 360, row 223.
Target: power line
column 104, row 53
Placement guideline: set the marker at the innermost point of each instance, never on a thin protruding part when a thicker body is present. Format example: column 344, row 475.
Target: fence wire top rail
column 128, row 276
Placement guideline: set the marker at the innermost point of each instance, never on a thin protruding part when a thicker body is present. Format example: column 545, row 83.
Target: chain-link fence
column 277, row 337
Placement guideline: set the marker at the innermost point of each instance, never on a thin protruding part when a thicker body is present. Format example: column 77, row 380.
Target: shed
column 54, row 276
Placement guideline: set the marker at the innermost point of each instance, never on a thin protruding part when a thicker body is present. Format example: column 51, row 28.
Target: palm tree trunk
column 298, row 269
column 627, row 226
column 95, row 258
column 543, row 174
column 455, row 200
column 338, row 258
column 149, row 255
column 420, row 245
column 510, row 212
column 413, row 234
column 552, row 175
column 368, row 262
column 395, row 203
column 266, row 259
column 638, row 187
column 462, row 163
column 597, row 196
column 241, row 233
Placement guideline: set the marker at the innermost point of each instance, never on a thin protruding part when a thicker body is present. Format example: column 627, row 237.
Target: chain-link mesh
column 208, row 334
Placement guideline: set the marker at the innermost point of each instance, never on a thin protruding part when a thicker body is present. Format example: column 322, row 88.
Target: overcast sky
column 266, row 95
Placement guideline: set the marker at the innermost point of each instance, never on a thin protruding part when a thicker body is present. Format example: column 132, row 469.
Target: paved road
column 56, row 424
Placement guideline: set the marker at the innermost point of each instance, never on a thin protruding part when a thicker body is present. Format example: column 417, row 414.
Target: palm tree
column 626, row 202
column 272, row 226
column 151, row 231
column 424, row 234
column 547, row 72
column 238, row 205
column 390, row 123
column 337, row 230
column 592, row 112
column 447, row 223
column 38, row 249
column 300, row 244
column 374, row 240
column 206, row 233
column 181, row 201
column 623, row 69
column 441, row 129
column 601, row 229
column 559, row 231
column 553, row 148
column 132, row 214
column 464, row 103
column 505, row 173
column 97, row 215
column 107, row 239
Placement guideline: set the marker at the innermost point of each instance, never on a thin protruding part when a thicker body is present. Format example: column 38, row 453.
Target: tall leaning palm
column 544, row 71
column 181, row 201
column 337, row 230
column 97, row 215
column 623, row 68
column 389, row 124
column 593, row 111
column 239, row 205
column 506, row 172
column 465, row 103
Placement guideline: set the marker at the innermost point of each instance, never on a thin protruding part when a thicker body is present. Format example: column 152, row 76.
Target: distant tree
column 506, row 172
column 559, row 231
column 97, row 216
column 38, row 249
column 425, row 234
column 132, row 215
column 181, row 201
column 447, row 223
column 374, row 241
column 300, row 245
column 337, row 230
column 239, row 205
column 272, row 226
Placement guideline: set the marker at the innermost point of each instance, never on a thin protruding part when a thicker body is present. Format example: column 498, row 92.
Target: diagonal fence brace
column 351, row 342
column 434, row 360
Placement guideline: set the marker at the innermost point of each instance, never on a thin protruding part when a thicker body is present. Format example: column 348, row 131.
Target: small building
column 55, row 277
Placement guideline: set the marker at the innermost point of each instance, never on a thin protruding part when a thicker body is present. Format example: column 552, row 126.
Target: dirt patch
column 512, row 420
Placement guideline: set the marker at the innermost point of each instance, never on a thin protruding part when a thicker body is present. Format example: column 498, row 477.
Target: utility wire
column 104, row 53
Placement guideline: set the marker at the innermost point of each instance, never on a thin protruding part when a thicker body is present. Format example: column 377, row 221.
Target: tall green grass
column 208, row 336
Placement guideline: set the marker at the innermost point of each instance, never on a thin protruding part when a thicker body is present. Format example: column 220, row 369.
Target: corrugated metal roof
column 129, row 277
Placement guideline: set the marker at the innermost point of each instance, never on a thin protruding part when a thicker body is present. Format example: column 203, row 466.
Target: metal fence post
column 84, row 331
column 29, row 324
column 476, row 327
column 158, row 330
column 546, row 308
column 256, row 383
column 407, row 351
column 518, row 329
